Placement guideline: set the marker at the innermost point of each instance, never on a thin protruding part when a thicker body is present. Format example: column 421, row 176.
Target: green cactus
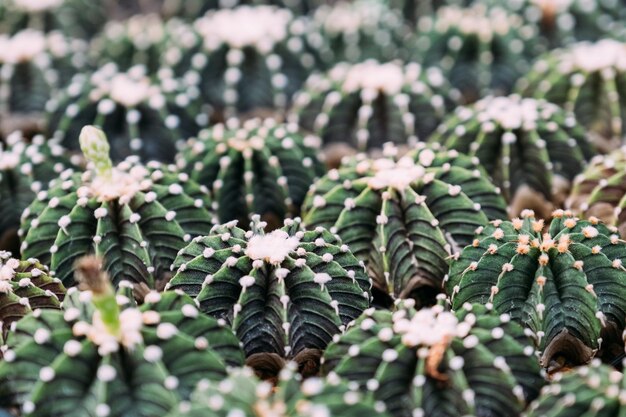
column 368, row 104
column 283, row 292
column 588, row 79
column 435, row 363
column 564, row 285
column 242, row 395
column 258, row 166
column 531, row 148
column 136, row 217
column 405, row 217
column 104, row 356
column 412, row 10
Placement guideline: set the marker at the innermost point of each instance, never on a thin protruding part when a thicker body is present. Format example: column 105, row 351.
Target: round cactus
column 283, row 292
column 242, row 395
column 405, row 217
column 532, row 149
column 565, row 284
column 260, row 166
column 480, row 49
column 435, row 363
column 590, row 80
column 368, row 104
column 600, row 190
column 136, row 217
column 142, row 117
column 25, row 286
column 594, row 390
column 103, row 356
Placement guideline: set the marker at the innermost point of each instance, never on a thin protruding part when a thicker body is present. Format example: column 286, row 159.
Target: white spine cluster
column 429, row 327
column 272, row 247
column 24, row 46
column 398, row 175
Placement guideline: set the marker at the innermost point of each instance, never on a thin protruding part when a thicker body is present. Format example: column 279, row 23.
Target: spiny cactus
column 242, row 395
column 600, row 190
column 25, row 286
column 103, row 356
column 480, row 49
column 136, row 217
column 531, row 148
column 412, row 10
column 435, row 363
column 143, row 117
column 282, row 292
column 192, row 9
column 368, row 104
column 259, row 166
column 404, row 217
column 588, row 79
column 566, row 283
column 594, row 390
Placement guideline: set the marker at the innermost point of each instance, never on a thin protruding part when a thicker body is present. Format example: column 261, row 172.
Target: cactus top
column 603, row 55
column 429, row 327
column 126, row 88
column 273, row 247
column 391, row 174
column 349, row 18
column 22, row 47
column 373, row 76
column 37, row 6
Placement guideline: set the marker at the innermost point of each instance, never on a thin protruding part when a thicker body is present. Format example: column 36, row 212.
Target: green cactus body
column 405, row 217
column 142, row 116
column 242, row 395
column 435, row 363
column 528, row 147
column 481, row 50
column 596, row 390
column 412, row 10
column 371, row 103
column 282, row 292
column 192, row 9
column 260, row 166
column 136, row 217
column 25, row 286
column 70, row 363
column 588, row 79
column 600, row 190
column 565, row 285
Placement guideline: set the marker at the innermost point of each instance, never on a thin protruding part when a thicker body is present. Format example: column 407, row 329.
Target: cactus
column 284, row 292
column 404, row 217
column 143, row 117
column 260, row 166
column 242, row 395
column 564, row 283
column 588, row 79
column 368, row 104
column 481, row 50
column 25, row 286
column 600, row 190
column 532, row 149
column 436, row 363
column 103, row 355
column 136, row 217
column 412, row 10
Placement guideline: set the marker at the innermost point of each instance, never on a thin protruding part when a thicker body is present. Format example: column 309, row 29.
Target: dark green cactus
column 405, row 217
column 282, row 292
column 259, row 166
column 242, row 395
column 368, row 104
column 435, row 363
column 412, row 10
column 531, row 148
column 136, row 217
column 103, row 356
column 565, row 285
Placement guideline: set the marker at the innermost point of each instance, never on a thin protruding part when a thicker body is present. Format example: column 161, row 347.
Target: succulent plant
column 142, row 117
column 412, row 10
column 564, row 283
column 588, row 79
column 25, row 169
column 193, row 9
column 104, row 356
column 436, row 363
column 25, row 286
column 258, row 166
column 481, row 50
column 405, row 217
column 532, row 149
column 594, row 390
column 136, row 217
column 368, row 104
column 600, row 190
column 283, row 293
